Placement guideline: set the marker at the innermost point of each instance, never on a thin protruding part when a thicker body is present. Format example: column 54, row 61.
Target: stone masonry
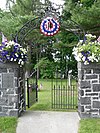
column 89, row 90
column 9, row 97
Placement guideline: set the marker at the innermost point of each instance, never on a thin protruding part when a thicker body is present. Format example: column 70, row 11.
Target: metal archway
column 50, row 10
column 31, row 25
column 69, row 26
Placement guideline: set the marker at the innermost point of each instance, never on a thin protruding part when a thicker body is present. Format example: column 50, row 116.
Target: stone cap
column 94, row 65
column 9, row 65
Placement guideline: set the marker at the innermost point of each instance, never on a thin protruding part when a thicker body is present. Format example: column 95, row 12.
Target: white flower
column 91, row 58
column 23, row 50
column 86, row 63
column 80, row 42
column 78, row 58
column 15, row 59
column 18, row 62
column 88, row 35
column 81, row 4
column 16, row 55
column 80, row 55
column 83, row 59
column 17, row 44
column 22, row 62
column 94, row 36
column 11, row 43
column 11, row 59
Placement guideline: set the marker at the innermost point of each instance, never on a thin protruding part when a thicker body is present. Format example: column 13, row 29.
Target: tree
column 10, row 24
column 25, row 7
column 86, row 13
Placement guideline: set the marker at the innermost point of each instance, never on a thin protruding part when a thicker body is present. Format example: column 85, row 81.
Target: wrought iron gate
column 64, row 92
column 32, row 92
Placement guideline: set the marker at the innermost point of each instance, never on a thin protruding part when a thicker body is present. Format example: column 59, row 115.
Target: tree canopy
column 86, row 13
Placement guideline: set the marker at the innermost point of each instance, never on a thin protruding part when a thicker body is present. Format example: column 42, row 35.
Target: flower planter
column 13, row 52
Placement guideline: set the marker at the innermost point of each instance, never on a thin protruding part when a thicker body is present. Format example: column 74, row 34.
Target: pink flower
column 98, row 39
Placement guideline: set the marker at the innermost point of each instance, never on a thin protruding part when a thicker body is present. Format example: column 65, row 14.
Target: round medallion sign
column 49, row 26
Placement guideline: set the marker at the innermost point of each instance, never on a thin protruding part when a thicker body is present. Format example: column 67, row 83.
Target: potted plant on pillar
column 87, row 50
column 13, row 52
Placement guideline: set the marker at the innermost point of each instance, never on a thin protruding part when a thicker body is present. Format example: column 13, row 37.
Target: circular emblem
column 49, row 26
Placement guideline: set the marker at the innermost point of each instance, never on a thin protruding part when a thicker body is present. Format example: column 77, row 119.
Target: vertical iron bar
column 73, row 96
column 61, row 91
column 56, row 89
column 52, row 94
column 76, row 95
column 59, row 96
column 66, row 92
column 64, row 96
column 68, row 95
column 61, row 73
column 36, row 87
column 28, row 92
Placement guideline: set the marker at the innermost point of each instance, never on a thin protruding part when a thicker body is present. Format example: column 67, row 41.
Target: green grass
column 8, row 124
column 44, row 97
column 89, row 126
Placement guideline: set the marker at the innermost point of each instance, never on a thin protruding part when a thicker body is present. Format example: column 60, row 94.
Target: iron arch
column 68, row 26
column 26, row 29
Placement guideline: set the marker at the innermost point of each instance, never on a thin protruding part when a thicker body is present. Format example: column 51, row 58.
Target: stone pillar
column 89, row 90
column 9, row 89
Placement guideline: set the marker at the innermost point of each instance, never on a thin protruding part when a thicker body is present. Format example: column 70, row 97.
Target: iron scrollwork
column 68, row 25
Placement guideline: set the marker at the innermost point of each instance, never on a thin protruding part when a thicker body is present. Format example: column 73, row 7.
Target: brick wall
column 89, row 90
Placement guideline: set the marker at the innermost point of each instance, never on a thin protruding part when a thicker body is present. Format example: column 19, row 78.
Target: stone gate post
column 89, row 90
column 9, row 89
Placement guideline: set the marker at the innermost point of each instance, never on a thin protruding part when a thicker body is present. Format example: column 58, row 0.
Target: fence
column 32, row 88
column 64, row 93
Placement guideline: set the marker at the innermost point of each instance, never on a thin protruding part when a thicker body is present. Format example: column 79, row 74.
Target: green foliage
column 46, row 67
column 10, row 25
column 25, row 7
column 8, row 124
column 88, row 17
column 87, row 3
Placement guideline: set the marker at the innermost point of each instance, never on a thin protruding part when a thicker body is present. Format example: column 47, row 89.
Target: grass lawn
column 8, row 124
column 89, row 126
column 44, row 97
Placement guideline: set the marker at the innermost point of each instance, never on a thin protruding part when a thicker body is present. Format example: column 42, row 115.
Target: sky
column 3, row 2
